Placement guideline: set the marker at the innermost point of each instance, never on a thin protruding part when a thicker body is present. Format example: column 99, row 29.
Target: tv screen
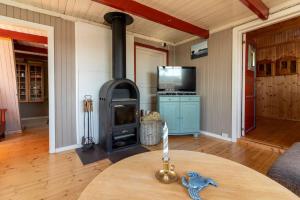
column 176, row 78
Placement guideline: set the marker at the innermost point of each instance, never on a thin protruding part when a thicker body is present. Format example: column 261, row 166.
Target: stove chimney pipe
column 118, row 23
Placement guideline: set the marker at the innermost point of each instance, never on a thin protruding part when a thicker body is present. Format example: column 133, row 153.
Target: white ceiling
column 209, row 14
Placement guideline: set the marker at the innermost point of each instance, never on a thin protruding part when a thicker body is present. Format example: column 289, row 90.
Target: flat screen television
column 176, row 78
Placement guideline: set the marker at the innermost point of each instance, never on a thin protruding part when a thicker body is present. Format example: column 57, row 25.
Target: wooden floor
column 282, row 133
column 27, row 171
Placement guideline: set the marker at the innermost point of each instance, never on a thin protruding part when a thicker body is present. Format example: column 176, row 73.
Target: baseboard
column 67, row 148
column 31, row 118
column 215, row 135
column 12, row 132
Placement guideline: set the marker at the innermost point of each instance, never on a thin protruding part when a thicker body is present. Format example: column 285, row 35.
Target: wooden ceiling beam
column 30, row 56
column 258, row 7
column 23, row 36
column 154, row 15
column 30, row 49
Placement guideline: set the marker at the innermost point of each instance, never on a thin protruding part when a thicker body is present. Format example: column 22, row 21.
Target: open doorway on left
column 24, row 86
column 31, row 60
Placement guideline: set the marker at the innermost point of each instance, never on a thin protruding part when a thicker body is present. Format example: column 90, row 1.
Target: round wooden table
column 134, row 178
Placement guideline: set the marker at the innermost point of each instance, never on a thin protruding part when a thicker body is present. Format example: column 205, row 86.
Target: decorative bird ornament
column 196, row 183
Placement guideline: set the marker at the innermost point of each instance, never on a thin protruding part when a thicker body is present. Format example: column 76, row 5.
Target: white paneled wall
column 94, row 67
column 147, row 61
column 8, row 86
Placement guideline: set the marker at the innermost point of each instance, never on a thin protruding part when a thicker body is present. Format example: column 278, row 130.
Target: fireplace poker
column 88, row 138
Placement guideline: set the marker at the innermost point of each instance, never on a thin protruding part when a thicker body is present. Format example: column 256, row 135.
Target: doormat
column 97, row 153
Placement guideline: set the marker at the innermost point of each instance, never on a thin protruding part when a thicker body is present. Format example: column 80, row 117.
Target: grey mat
column 97, row 153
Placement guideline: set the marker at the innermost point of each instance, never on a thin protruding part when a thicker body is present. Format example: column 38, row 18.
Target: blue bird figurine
column 196, row 183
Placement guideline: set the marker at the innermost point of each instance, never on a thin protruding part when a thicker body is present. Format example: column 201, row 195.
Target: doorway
column 272, row 117
column 14, row 30
column 238, row 84
column 31, row 65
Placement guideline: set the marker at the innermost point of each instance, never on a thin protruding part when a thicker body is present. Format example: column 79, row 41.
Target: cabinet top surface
column 163, row 95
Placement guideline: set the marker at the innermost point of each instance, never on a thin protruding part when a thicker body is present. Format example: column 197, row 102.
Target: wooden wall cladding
column 277, row 41
column 278, row 97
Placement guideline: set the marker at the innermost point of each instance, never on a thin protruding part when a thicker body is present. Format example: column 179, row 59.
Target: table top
column 134, row 178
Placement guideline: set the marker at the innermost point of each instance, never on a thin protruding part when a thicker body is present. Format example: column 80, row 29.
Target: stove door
column 124, row 114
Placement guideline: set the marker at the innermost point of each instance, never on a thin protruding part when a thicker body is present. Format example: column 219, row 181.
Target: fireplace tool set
column 88, row 138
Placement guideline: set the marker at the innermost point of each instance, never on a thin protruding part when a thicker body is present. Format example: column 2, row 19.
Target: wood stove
column 119, row 98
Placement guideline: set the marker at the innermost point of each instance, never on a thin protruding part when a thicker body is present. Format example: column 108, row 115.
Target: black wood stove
column 119, row 98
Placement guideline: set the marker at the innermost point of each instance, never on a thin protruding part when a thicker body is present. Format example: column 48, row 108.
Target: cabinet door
column 22, row 82
column 169, row 112
column 36, row 83
column 190, row 117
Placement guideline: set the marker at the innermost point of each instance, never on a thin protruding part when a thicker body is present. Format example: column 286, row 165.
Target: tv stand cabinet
column 181, row 112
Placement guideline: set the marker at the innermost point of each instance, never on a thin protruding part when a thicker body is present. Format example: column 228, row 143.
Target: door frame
column 51, row 79
column 238, row 80
column 137, row 44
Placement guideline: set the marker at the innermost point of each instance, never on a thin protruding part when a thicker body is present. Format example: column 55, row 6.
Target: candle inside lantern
column 165, row 143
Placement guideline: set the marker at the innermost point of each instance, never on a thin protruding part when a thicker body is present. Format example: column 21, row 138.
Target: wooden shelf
column 287, row 65
column 30, row 82
column 265, row 68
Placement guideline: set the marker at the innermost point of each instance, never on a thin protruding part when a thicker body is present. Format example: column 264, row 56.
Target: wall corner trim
column 216, row 136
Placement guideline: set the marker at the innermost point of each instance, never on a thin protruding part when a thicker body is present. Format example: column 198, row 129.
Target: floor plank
column 27, row 171
column 281, row 133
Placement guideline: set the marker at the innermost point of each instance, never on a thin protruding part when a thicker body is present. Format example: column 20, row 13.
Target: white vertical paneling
column 94, row 66
column 147, row 61
column 8, row 86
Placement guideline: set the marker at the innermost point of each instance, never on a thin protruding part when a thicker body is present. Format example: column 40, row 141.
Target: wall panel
column 213, row 80
column 278, row 97
column 8, row 86
column 64, row 64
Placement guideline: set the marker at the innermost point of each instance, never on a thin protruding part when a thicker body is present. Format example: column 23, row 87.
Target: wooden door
column 250, row 62
column 147, row 61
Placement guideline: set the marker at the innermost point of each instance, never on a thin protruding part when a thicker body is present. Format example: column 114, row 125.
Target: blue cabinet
column 182, row 113
column 171, row 114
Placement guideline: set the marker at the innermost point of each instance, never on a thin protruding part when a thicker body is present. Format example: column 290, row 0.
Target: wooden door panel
column 249, row 91
column 250, row 116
